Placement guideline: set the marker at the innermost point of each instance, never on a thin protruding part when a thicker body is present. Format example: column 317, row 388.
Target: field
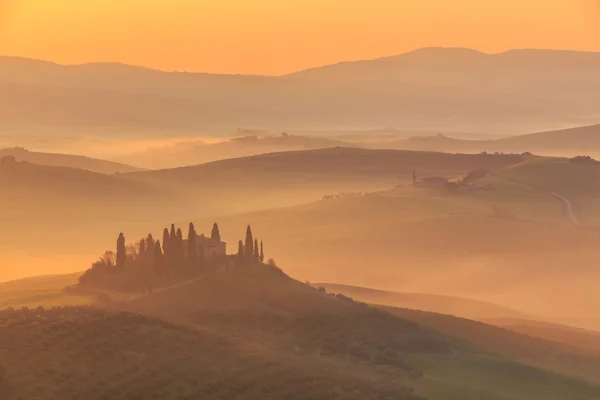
column 45, row 291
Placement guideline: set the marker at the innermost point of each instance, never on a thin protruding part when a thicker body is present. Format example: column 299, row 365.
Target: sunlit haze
column 275, row 36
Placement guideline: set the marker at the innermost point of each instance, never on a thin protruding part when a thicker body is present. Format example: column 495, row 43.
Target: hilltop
column 425, row 89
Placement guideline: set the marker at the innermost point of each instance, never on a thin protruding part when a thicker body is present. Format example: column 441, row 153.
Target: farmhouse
column 212, row 249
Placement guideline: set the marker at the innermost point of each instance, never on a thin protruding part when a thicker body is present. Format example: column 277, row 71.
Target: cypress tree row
column 256, row 252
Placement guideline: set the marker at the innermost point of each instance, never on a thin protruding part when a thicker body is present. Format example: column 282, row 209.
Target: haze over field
column 297, row 200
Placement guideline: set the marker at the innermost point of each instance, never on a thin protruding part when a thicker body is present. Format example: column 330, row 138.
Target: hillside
column 67, row 160
column 253, row 332
column 260, row 303
column 435, row 89
column 498, row 245
column 457, row 306
column 198, row 152
column 580, row 338
column 583, row 140
column 542, row 353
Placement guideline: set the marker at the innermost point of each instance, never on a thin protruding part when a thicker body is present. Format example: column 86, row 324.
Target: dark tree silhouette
column 240, row 253
column 173, row 233
column 192, row 251
column 166, row 241
column 142, row 249
column 262, row 253
column 150, row 245
column 248, row 250
column 215, row 234
column 256, row 251
column 158, row 257
column 121, row 251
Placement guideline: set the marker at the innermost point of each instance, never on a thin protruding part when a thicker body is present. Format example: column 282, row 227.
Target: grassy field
column 476, row 377
column 44, row 291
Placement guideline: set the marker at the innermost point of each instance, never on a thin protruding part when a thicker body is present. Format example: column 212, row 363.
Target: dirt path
column 573, row 217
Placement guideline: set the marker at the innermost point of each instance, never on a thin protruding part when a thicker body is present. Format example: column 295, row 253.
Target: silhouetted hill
column 449, row 89
column 67, row 160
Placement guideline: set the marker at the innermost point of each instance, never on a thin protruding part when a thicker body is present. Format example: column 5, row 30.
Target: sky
column 281, row 36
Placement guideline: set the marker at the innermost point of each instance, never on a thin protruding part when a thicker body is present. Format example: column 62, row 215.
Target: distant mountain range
column 434, row 88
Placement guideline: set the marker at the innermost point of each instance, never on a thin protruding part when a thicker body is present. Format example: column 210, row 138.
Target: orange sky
column 278, row 36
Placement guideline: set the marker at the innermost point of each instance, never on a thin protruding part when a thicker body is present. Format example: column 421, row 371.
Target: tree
column 414, row 177
column 121, row 251
column 240, row 254
column 262, row 253
column 215, row 234
column 150, row 245
column 142, row 248
column 256, row 252
column 248, row 250
column 191, row 246
column 158, row 256
column 166, row 240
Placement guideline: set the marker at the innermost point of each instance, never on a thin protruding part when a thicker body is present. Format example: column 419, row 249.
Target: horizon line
column 123, row 64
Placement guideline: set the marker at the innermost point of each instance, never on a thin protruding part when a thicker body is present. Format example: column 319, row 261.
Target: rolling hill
column 457, row 306
column 197, row 152
column 436, row 89
column 252, row 332
column 571, row 142
column 67, row 160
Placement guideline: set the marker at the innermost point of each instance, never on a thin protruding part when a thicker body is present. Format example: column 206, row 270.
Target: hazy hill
column 67, row 160
column 570, row 142
column 198, row 152
column 449, row 89
column 585, row 340
column 460, row 307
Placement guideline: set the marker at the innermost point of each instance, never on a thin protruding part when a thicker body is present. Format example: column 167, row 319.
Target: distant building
column 212, row 249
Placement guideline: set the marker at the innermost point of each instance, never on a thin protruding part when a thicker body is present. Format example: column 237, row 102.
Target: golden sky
column 279, row 36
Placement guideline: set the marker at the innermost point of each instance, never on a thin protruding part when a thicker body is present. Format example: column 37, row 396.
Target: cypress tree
column 240, row 253
column 173, row 233
column 262, row 253
column 121, row 251
column 256, row 252
column 150, row 245
column 142, row 256
column 158, row 256
column 248, row 249
column 166, row 240
column 191, row 246
column 215, row 234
